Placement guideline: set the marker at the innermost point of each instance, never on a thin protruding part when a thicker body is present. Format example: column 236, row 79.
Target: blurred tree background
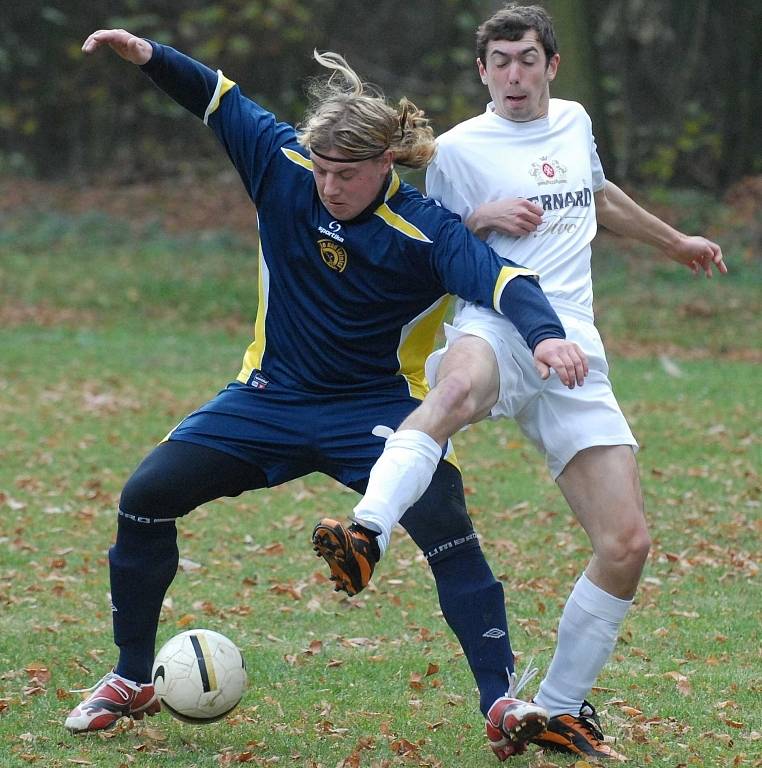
column 674, row 86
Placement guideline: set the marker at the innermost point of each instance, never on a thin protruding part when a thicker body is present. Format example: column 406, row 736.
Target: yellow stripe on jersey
column 450, row 456
column 401, row 225
column 416, row 342
column 506, row 275
column 295, row 157
column 223, row 86
column 255, row 352
column 394, row 185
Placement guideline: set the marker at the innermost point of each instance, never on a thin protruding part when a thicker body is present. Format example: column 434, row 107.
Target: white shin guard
column 398, row 479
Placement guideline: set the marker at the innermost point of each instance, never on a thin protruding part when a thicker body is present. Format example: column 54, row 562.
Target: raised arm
column 134, row 49
column 249, row 133
column 190, row 83
column 619, row 213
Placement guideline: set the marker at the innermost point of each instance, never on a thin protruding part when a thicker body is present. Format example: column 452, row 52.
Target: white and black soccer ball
column 199, row 676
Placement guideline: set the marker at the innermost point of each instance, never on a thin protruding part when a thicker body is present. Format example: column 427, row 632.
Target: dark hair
column 511, row 23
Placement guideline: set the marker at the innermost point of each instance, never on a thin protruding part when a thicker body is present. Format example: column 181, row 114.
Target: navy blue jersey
column 345, row 305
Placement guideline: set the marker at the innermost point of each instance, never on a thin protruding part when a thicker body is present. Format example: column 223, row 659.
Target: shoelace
column 515, row 685
column 589, row 718
column 107, row 680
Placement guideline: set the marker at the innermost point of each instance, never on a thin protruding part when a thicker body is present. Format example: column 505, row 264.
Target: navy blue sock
column 143, row 563
column 473, row 605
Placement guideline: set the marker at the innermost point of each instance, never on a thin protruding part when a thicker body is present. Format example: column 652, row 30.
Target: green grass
column 111, row 334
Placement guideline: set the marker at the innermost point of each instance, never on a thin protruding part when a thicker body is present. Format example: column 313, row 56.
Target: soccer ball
column 199, row 676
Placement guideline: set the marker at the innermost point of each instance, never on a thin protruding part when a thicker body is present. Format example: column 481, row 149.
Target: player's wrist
column 669, row 241
column 476, row 223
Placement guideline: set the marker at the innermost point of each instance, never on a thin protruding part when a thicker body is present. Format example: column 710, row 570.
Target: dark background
column 673, row 86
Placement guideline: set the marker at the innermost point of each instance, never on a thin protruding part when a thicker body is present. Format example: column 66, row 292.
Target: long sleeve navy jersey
column 345, row 305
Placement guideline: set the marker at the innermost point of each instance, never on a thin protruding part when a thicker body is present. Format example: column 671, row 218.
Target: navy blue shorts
column 288, row 434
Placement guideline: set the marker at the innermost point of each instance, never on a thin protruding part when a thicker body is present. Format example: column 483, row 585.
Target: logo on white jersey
column 548, row 171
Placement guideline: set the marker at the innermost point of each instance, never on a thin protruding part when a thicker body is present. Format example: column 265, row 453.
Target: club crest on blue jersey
column 334, row 255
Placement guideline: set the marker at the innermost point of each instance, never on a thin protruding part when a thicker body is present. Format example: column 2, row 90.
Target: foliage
column 673, row 88
column 683, row 94
column 108, row 119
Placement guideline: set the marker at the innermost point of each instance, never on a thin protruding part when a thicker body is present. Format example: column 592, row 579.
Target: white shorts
column 559, row 421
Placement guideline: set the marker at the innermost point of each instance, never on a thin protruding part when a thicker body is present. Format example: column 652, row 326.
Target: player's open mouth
column 515, row 99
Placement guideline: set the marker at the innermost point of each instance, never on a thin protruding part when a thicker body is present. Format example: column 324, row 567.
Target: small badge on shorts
column 257, row 379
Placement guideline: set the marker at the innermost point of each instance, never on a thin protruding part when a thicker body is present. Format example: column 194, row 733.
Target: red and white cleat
column 511, row 724
column 112, row 698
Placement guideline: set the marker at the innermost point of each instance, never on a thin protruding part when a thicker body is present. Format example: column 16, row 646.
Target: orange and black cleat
column 351, row 554
column 578, row 735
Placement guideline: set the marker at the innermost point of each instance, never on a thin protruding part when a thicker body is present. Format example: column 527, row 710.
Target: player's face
column 518, row 77
column 347, row 189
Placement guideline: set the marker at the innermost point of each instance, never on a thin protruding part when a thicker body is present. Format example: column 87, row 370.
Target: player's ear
column 552, row 67
column 482, row 71
column 387, row 160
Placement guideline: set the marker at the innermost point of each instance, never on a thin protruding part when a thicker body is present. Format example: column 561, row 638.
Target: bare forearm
column 620, row 214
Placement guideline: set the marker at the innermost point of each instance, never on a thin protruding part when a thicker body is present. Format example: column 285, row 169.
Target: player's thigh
column 601, row 484
column 178, row 476
column 507, row 378
column 472, row 363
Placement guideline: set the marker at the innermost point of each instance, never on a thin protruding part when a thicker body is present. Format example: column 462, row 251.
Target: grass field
column 109, row 335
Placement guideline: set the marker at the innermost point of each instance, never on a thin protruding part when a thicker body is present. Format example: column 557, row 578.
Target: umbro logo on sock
column 494, row 633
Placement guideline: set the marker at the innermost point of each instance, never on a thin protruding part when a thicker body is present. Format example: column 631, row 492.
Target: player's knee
column 626, row 548
column 438, row 522
column 458, row 396
column 148, row 495
column 640, row 546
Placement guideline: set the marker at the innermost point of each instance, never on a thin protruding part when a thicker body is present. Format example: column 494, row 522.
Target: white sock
column 398, row 479
column 587, row 635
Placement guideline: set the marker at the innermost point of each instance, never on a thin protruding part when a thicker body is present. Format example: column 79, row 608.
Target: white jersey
column 551, row 161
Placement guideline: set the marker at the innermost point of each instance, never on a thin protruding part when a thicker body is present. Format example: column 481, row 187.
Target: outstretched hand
column 564, row 357
column 128, row 46
column 697, row 253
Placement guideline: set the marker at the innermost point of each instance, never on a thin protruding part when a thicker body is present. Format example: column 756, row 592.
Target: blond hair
column 354, row 118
